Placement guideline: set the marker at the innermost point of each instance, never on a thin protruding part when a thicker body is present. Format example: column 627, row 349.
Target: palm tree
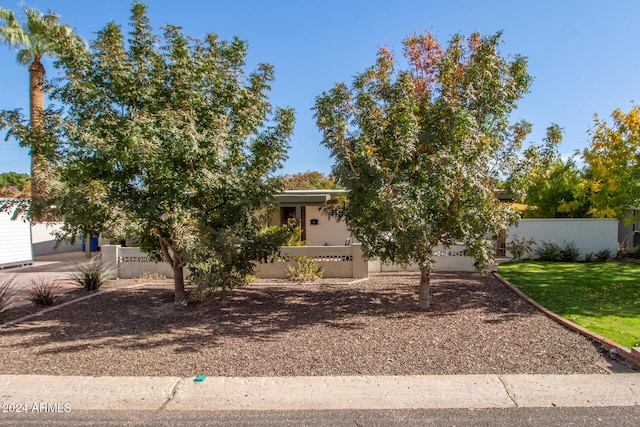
column 33, row 40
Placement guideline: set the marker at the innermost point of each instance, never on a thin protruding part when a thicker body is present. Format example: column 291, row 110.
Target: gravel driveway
column 475, row 326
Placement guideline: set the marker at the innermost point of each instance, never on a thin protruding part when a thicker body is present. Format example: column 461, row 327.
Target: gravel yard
column 475, row 326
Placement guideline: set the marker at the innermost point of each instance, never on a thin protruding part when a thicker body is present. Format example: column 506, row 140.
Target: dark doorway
column 294, row 213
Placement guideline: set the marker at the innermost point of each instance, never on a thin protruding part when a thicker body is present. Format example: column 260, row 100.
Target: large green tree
column 167, row 141
column 33, row 39
column 614, row 163
column 422, row 150
column 309, row 180
column 562, row 192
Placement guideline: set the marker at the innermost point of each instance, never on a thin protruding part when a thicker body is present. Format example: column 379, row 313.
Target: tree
column 165, row 140
column 421, row 150
column 34, row 39
column 13, row 184
column 614, row 163
column 310, row 180
column 561, row 192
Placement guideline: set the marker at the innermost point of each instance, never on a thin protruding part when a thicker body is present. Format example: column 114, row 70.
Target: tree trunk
column 177, row 265
column 36, row 117
column 87, row 247
column 178, row 283
column 425, row 285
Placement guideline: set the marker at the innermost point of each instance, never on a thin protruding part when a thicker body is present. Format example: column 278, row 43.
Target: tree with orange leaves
column 614, row 163
column 421, row 150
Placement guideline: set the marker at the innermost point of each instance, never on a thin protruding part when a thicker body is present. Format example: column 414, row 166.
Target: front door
column 294, row 213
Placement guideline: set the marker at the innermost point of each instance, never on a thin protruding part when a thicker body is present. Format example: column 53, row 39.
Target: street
column 601, row 416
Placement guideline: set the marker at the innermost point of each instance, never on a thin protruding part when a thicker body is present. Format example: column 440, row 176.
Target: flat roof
column 308, row 197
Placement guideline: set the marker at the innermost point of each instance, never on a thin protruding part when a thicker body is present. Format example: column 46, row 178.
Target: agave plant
column 6, row 292
column 91, row 275
column 42, row 292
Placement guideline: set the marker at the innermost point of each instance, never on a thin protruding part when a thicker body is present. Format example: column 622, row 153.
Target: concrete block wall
column 43, row 239
column 451, row 259
column 589, row 235
column 132, row 262
column 337, row 261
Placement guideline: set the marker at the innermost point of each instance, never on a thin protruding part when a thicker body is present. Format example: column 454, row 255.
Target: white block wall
column 132, row 262
column 589, row 235
column 43, row 238
column 337, row 261
column 447, row 260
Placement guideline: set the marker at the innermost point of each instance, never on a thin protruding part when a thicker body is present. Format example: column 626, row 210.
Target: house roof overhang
column 308, row 197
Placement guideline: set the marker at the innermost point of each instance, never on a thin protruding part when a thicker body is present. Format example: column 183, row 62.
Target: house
column 309, row 209
column 15, row 240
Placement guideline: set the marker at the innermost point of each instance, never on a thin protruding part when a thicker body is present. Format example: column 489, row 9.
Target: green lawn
column 602, row 297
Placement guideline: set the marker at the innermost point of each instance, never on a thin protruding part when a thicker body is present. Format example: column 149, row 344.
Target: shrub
column 91, row 275
column 42, row 293
column 519, row 247
column 569, row 252
column 629, row 252
column 603, row 255
column 306, row 270
column 549, row 251
column 217, row 281
column 6, row 292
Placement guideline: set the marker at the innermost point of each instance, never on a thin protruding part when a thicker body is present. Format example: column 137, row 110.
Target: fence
column 589, row 235
column 43, row 239
column 451, row 259
column 132, row 262
column 337, row 261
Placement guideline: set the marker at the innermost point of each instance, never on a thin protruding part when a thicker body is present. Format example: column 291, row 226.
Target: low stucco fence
column 446, row 259
column 336, row 261
column 130, row 262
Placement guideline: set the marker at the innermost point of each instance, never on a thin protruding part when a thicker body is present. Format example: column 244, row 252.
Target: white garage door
column 15, row 241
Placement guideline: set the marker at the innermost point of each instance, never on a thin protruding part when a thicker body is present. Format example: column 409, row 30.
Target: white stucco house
column 308, row 207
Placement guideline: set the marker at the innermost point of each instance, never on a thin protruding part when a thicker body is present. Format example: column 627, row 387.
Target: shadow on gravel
column 145, row 318
column 476, row 326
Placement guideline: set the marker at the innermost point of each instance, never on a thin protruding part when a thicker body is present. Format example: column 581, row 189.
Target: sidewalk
column 316, row 393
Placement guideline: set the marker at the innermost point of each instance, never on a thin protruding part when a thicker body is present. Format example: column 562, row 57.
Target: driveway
column 54, row 268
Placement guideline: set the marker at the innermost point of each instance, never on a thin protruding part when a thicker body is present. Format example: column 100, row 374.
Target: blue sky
column 583, row 54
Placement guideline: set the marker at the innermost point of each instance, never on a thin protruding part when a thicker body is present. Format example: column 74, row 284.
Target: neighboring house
column 15, row 241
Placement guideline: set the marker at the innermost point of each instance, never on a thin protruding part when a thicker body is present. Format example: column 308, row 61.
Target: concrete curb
column 67, row 394
column 631, row 355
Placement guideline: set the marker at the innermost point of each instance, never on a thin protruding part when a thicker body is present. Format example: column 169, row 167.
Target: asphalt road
column 512, row 417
